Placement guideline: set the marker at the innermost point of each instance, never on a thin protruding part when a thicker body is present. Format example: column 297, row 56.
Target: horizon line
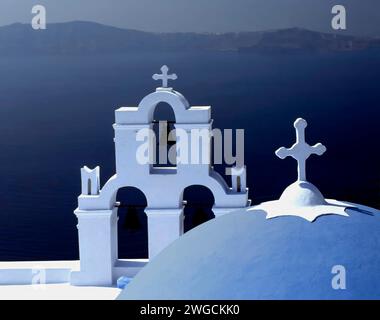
column 194, row 32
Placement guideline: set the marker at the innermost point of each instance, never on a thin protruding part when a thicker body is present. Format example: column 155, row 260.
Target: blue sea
column 56, row 115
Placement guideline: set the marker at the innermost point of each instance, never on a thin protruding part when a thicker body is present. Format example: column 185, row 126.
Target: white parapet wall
column 36, row 272
column 55, row 272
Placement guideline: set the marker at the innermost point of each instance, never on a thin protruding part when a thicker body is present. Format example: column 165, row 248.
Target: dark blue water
column 56, row 115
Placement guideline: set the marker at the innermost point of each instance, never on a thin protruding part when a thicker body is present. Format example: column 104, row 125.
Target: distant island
column 88, row 37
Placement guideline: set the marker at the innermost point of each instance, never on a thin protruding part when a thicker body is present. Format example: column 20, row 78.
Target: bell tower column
column 164, row 226
column 97, row 231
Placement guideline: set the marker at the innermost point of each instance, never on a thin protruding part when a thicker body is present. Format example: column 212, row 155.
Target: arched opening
column 132, row 226
column 163, row 127
column 89, row 187
column 198, row 201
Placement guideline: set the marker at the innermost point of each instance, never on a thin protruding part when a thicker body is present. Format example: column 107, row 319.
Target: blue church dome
column 246, row 255
column 301, row 246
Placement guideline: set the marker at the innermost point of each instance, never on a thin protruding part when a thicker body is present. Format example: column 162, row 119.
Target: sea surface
column 56, row 115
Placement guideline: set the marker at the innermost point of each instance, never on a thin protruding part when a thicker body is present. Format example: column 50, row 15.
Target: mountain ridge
column 79, row 37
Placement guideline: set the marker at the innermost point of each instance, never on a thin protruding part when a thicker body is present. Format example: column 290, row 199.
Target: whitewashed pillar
column 97, row 232
column 164, row 226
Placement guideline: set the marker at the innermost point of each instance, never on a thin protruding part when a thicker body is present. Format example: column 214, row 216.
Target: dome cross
column 301, row 150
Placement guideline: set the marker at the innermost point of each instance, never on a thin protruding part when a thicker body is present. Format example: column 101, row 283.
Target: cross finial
column 301, row 150
column 164, row 76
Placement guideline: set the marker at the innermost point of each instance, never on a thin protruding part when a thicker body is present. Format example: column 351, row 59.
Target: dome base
column 302, row 199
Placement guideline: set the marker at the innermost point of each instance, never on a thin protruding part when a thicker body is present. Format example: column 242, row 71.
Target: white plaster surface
column 55, row 272
column 63, row 291
column 23, row 272
column 304, row 200
column 97, row 213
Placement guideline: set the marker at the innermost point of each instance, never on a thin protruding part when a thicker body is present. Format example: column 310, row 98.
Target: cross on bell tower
column 301, row 150
column 164, row 76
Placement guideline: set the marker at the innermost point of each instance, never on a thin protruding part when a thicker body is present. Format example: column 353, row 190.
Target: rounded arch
column 176, row 100
column 198, row 203
column 163, row 112
column 163, row 126
column 132, row 229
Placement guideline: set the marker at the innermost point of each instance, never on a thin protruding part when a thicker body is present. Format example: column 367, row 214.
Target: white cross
column 301, row 150
column 164, row 77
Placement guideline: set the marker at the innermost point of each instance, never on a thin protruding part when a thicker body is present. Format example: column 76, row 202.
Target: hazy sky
column 201, row 15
